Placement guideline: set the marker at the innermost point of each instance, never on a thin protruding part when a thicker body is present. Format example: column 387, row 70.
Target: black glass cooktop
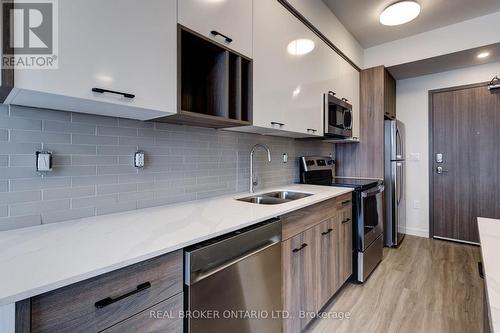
column 357, row 183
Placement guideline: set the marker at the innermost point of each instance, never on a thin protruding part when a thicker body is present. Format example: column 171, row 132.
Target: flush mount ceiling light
column 300, row 46
column 483, row 55
column 400, row 13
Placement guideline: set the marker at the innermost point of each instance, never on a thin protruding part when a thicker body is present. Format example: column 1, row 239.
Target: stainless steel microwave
column 338, row 117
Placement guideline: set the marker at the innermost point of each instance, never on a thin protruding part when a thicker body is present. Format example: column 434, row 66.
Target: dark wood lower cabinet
column 99, row 303
column 300, row 274
column 316, row 260
column 345, row 244
column 329, row 261
column 161, row 318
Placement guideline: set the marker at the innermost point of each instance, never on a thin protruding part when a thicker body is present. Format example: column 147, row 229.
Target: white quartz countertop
column 489, row 234
column 43, row 258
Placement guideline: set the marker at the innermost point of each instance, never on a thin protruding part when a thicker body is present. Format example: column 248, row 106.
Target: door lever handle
column 440, row 170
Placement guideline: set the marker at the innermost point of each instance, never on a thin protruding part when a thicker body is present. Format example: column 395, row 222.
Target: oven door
column 372, row 215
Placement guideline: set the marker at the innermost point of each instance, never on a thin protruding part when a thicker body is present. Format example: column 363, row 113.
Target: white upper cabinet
column 344, row 81
column 229, row 22
column 293, row 69
column 289, row 72
column 124, row 46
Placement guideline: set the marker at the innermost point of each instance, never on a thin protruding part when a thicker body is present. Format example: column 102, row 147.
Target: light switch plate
column 43, row 161
column 415, row 157
column 139, row 159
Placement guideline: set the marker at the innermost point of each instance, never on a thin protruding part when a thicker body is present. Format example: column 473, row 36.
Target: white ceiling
column 361, row 17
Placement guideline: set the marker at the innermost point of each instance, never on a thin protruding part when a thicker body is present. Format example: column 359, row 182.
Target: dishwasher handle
column 201, row 275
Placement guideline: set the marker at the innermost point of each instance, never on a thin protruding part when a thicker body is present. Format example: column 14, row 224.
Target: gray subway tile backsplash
column 86, row 139
column 4, row 135
column 68, row 127
column 93, row 119
column 35, row 113
column 4, row 211
column 7, row 198
column 37, row 136
column 93, row 165
column 72, row 192
column 20, row 123
column 4, row 186
column 4, row 160
column 16, row 222
column 31, row 208
column 69, row 214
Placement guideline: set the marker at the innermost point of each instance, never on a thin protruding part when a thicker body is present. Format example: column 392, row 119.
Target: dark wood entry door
column 465, row 129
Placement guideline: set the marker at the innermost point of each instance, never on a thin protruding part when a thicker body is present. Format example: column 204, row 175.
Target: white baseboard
column 417, row 232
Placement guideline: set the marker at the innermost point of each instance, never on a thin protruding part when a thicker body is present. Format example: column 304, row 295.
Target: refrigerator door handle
column 399, row 180
column 399, row 144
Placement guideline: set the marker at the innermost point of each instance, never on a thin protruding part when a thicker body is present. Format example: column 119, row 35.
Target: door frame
column 431, row 143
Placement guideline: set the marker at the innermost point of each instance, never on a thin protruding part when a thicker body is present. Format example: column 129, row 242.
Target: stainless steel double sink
column 275, row 198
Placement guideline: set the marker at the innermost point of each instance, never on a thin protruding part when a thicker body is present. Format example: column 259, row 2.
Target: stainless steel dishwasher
column 233, row 283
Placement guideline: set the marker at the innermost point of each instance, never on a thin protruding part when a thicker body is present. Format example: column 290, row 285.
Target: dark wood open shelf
column 202, row 120
column 214, row 84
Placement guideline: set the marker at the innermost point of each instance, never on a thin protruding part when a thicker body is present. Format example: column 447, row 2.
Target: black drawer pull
column 312, row 130
column 345, row 221
column 303, row 246
column 108, row 300
column 346, row 202
column 102, row 91
column 226, row 38
column 276, row 123
column 324, row 233
column 331, row 93
column 345, row 99
column 480, row 269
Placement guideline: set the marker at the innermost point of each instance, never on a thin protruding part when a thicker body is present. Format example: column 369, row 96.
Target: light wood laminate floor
column 424, row 286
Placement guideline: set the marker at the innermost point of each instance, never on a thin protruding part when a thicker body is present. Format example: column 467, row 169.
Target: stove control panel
column 312, row 163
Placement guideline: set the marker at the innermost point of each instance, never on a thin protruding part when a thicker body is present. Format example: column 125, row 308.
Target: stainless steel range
column 368, row 212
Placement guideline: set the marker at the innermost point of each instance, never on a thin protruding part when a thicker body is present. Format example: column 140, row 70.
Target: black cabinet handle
column 226, row 38
column 345, row 221
column 303, row 246
column 276, row 123
column 312, row 130
column 345, row 202
column 327, row 232
column 108, row 300
column 480, row 269
column 345, row 99
column 102, row 91
column 331, row 93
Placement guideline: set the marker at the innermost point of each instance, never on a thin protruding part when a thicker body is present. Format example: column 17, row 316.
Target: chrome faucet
column 254, row 182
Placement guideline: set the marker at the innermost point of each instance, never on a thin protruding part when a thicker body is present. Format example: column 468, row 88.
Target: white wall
column 412, row 109
column 324, row 19
column 7, row 318
column 465, row 35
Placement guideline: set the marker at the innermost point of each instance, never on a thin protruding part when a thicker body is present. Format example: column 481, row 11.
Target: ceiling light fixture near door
column 400, row 13
column 483, row 55
column 300, row 46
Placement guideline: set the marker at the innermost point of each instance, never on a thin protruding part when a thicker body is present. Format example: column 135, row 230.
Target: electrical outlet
column 416, row 204
column 139, row 159
column 43, row 161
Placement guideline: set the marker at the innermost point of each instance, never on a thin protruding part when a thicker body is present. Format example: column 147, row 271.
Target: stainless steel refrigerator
column 394, row 179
